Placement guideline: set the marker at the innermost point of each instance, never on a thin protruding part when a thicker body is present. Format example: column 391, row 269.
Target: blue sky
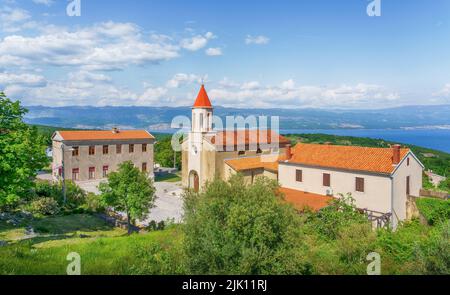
column 292, row 54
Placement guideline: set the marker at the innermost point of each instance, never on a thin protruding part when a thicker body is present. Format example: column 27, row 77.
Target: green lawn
column 170, row 177
column 103, row 249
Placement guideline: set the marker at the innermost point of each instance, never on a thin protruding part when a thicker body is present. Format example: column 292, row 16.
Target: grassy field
column 103, row 249
column 169, row 177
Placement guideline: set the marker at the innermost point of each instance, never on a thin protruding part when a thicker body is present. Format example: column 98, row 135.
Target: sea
column 438, row 139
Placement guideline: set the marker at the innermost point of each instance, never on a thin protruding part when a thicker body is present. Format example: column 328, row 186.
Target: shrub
column 93, row 203
column 340, row 214
column 234, row 228
column 434, row 210
column 44, row 206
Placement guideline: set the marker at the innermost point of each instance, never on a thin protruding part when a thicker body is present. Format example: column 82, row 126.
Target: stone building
column 206, row 152
column 310, row 175
column 91, row 155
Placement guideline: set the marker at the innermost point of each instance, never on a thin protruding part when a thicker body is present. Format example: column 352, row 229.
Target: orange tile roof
column 202, row 100
column 302, row 200
column 105, row 135
column 378, row 160
column 267, row 162
column 248, row 137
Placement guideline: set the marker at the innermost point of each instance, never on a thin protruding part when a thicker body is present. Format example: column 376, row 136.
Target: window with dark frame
column 92, row 150
column 105, row 149
column 144, row 167
column 408, row 185
column 75, row 151
column 407, row 162
column 326, row 179
column 299, row 175
column 91, row 172
column 118, row 149
column 359, row 184
column 75, row 174
column 131, row 148
column 105, row 171
column 144, row 147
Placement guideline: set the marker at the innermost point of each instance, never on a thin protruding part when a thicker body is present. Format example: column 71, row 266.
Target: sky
column 284, row 54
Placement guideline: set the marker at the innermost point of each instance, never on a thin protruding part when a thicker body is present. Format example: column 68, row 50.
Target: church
column 382, row 181
column 209, row 153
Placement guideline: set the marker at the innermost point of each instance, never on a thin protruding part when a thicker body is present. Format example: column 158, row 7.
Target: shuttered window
column 359, row 184
column 299, row 175
column 326, row 179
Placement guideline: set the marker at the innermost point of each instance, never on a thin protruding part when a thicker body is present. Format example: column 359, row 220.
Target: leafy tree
column 128, row 190
column 234, row 228
column 164, row 153
column 22, row 153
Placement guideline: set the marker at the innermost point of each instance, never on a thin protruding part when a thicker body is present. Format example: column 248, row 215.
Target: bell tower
column 202, row 113
column 201, row 124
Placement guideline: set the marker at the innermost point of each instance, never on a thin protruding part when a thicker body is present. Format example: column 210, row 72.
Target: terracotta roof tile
column 248, row 137
column 202, row 100
column 105, row 135
column 378, row 160
column 302, row 200
column 267, row 162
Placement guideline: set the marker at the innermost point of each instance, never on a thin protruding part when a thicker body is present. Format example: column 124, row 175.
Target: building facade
column 91, row 155
column 310, row 175
column 378, row 179
column 206, row 151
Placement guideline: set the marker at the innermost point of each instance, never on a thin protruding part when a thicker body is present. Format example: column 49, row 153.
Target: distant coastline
column 438, row 139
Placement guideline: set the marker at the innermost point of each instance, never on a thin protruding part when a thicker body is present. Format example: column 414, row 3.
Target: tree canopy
column 128, row 190
column 22, row 152
column 234, row 228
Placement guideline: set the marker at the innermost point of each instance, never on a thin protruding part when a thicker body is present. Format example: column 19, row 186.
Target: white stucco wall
column 414, row 171
column 377, row 189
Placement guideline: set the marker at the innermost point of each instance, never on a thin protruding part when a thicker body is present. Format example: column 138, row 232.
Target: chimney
column 395, row 154
column 115, row 130
column 288, row 152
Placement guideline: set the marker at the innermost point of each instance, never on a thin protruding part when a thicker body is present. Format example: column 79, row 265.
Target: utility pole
column 63, row 178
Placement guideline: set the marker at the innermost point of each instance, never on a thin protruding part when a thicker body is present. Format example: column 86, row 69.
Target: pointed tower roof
column 202, row 100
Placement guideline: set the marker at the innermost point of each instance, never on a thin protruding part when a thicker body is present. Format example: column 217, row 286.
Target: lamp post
column 63, row 178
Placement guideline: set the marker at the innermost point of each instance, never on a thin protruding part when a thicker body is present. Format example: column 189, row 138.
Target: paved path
column 168, row 204
column 434, row 178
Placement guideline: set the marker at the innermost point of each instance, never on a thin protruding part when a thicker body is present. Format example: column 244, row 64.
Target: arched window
column 201, row 121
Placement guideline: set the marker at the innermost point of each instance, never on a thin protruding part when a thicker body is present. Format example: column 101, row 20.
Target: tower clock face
column 194, row 149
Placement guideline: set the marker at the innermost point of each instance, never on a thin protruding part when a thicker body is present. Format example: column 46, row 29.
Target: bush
column 93, row 203
column 340, row 214
column 234, row 228
column 44, row 206
column 434, row 210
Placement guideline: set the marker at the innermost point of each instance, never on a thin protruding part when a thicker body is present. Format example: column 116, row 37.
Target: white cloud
column 197, row 42
column 250, row 85
column 27, row 80
column 288, row 95
column 259, row 40
column 11, row 19
column 106, row 46
column 444, row 92
column 213, row 51
column 181, row 79
column 44, row 2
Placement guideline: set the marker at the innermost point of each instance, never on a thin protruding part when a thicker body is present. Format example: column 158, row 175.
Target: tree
column 234, row 228
column 22, row 153
column 128, row 190
column 164, row 153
